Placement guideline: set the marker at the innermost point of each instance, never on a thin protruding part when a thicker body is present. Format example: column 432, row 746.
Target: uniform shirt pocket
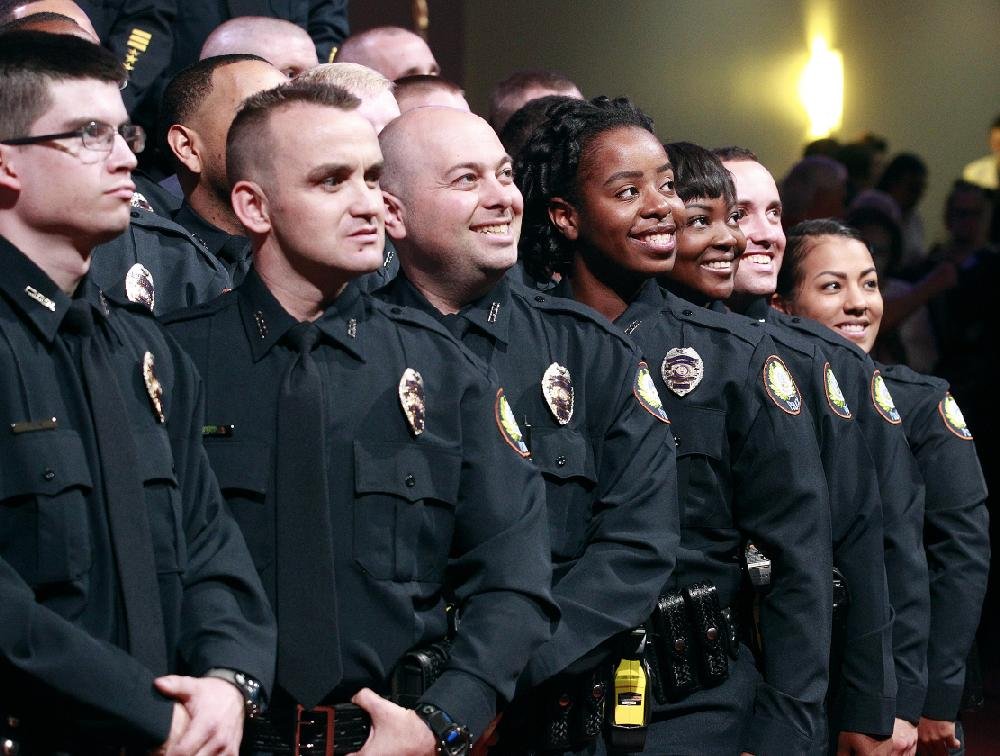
column 702, row 480
column 404, row 509
column 44, row 482
column 566, row 460
column 163, row 505
column 243, row 469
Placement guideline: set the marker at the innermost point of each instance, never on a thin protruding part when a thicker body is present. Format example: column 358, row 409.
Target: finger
column 174, row 686
column 370, row 701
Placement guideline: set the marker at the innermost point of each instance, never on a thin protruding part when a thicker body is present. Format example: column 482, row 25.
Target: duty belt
column 327, row 730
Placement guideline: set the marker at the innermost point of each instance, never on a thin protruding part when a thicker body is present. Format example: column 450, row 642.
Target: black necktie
column 128, row 520
column 309, row 664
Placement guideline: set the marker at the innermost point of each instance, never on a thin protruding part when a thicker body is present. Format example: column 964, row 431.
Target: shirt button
column 396, row 311
column 539, row 299
column 679, row 646
column 49, row 474
column 410, row 481
column 796, row 320
column 689, row 313
column 712, row 633
column 561, row 460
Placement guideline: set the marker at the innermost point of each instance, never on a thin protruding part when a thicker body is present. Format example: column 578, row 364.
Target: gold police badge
column 139, row 286
column 682, row 370
column 645, row 391
column 882, row 400
column 953, row 418
column 780, row 386
column 153, row 386
column 557, row 388
column 834, row 396
column 509, row 429
column 411, row 399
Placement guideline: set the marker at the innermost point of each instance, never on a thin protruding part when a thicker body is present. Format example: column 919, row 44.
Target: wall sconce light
column 821, row 89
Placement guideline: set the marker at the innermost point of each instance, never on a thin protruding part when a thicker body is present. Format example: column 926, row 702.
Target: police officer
column 575, row 384
column 599, row 211
column 132, row 612
column 368, row 459
column 198, row 107
column 955, row 525
column 862, row 682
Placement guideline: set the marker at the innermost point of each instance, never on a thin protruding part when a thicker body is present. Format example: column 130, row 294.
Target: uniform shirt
column 62, row 667
column 867, row 683
column 749, row 468
column 956, row 528
column 455, row 506
column 232, row 252
column 901, row 489
column 610, row 470
column 158, row 264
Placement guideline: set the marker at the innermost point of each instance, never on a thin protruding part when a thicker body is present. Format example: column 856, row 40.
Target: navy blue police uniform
column 232, row 251
column 70, row 679
column 430, row 492
column 607, row 457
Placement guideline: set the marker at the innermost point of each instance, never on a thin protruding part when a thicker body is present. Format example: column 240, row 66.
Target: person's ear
column 186, row 145
column 9, row 178
column 251, row 207
column 395, row 216
column 781, row 304
column 564, row 217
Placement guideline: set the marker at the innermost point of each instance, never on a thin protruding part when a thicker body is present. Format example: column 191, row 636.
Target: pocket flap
column 698, row 430
column 411, row 471
column 155, row 457
column 562, row 453
column 42, row 463
column 240, row 465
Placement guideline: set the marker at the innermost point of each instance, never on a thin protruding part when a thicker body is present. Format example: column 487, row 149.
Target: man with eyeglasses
column 132, row 614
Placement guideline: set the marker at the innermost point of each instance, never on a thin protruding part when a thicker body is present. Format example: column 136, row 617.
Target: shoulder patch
column 834, row 396
column 953, row 418
column 882, row 400
column 649, row 398
column 682, row 370
column 509, row 429
column 781, row 387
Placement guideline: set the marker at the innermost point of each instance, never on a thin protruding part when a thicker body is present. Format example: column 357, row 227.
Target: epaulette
column 414, row 317
column 211, row 307
column 903, row 374
column 829, row 336
column 744, row 328
column 546, row 302
column 159, row 224
column 790, row 338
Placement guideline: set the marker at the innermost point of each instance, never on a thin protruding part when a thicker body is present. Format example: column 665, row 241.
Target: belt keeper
column 328, row 744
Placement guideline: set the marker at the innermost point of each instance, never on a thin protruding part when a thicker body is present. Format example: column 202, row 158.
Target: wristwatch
column 453, row 738
column 254, row 700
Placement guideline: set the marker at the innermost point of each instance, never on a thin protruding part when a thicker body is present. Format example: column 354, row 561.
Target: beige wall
column 924, row 74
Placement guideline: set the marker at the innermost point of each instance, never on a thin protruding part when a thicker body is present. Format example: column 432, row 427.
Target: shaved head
column 391, row 50
column 283, row 44
column 63, row 7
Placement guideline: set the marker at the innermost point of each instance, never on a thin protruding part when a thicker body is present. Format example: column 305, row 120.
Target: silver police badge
column 557, row 388
column 139, row 286
column 682, row 370
column 411, row 399
column 153, row 386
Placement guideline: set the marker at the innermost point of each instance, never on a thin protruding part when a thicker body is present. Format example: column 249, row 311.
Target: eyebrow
column 473, row 166
column 841, row 275
column 635, row 174
column 699, row 206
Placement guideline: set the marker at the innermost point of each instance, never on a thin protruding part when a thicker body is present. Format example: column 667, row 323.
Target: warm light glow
column 821, row 89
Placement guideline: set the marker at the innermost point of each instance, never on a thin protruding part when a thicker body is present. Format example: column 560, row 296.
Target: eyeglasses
column 96, row 136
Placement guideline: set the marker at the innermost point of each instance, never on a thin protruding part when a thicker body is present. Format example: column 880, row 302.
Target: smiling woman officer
column 600, row 210
column 829, row 276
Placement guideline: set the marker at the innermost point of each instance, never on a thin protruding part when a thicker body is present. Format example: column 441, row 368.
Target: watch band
column 453, row 739
column 254, row 700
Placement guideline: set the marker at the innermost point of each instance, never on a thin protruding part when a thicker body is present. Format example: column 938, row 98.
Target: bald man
column 10, row 11
column 198, row 107
column 599, row 436
column 286, row 46
column 391, row 50
column 422, row 91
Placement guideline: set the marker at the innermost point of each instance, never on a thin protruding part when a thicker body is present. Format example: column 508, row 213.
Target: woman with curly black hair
column 600, row 213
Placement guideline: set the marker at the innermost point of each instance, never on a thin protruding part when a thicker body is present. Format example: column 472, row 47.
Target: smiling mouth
column 853, row 330
column 495, row 229
column 757, row 258
column 722, row 266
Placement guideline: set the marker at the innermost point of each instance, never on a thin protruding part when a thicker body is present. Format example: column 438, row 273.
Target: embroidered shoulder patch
column 509, row 429
column 649, row 398
column 953, row 418
column 882, row 400
column 780, row 386
column 834, row 396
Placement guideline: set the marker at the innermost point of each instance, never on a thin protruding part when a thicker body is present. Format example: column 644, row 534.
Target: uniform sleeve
column 781, row 503
column 866, row 701
column 956, row 539
column 902, row 492
column 226, row 619
column 500, row 569
column 62, row 665
column 631, row 542
column 327, row 26
column 141, row 37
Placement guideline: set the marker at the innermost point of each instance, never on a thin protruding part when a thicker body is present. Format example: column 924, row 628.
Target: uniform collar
column 266, row 321
column 490, row 314
column 758, row 309
column 37, row 296
column 213, row 237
